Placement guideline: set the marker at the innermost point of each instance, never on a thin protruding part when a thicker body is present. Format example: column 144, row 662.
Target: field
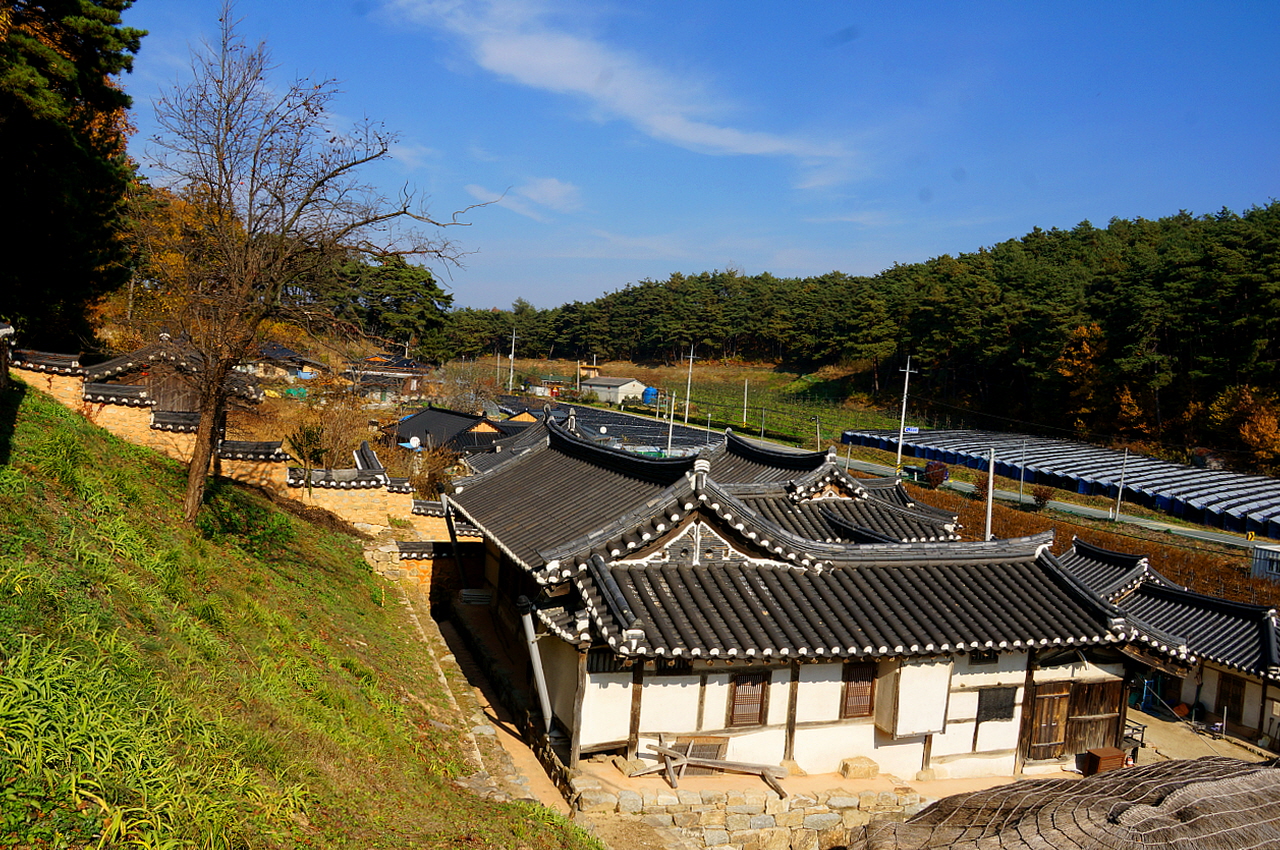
column 802, row 410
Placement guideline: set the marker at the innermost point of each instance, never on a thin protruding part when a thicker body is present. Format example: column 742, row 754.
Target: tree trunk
column 211, row 407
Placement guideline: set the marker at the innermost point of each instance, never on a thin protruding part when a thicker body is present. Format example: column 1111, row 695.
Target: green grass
column 237, row 685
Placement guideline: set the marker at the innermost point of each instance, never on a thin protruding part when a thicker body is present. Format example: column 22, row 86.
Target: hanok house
column 765, row 606
column 390, row 378
column 280, row 363
column 1199, row 650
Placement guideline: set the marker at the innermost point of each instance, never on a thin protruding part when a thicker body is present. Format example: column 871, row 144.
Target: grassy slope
column 243, row 685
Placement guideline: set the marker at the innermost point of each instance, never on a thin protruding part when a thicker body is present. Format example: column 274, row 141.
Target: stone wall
column 752, row 820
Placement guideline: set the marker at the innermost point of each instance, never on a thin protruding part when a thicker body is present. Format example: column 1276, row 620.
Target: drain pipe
column 525, row 607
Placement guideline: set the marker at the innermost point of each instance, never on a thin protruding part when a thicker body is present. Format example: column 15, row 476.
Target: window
column 857, row 699
column 747, row 698
column 996, row 703
column 983, row 656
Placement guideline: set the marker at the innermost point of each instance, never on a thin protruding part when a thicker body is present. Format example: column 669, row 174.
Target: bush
column 1041, row 495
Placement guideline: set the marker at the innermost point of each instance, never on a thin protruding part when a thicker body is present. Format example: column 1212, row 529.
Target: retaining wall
column 753, row 820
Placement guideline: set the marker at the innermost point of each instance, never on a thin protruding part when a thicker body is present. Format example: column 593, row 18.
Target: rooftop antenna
column 902, row 423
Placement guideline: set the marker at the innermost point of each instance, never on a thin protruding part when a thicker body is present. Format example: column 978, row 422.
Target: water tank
column 650, row 395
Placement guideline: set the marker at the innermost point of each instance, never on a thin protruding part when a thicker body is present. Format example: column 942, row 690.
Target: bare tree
column 260, row 196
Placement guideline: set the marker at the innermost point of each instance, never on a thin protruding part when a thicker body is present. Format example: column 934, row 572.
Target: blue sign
column 911, row 429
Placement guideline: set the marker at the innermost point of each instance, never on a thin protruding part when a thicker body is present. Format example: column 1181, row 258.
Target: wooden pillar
column 637, row 685
column 575, row 743
column 789, row 751
column 1028, row 709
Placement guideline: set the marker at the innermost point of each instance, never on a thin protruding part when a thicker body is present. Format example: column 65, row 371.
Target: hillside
column 249, row 684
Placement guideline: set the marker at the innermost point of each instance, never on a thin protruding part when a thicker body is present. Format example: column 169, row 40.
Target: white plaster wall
column 993, row 735
column 765, row 746
column 716, row 701
column 1252, row 703
column 669, row 704
column 1081, row 671
column 1188, row 692
column 968, row 767
column 779, row 695
column 818, row 699
column 902, row 758
column 820, row 749
column 560, row 664
column 1010, row 668
column 1209, row 691
column 923, row 690
column 606, row 708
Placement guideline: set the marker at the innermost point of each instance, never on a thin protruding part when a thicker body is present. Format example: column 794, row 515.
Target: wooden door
column 1093, row 716
column 1049, row 720
column 1230, row 702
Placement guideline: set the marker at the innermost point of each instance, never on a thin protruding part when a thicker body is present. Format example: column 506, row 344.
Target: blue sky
column 632, row 140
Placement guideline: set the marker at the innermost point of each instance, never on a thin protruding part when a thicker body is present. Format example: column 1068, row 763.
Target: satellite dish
column 415, row 442
column 604, row 430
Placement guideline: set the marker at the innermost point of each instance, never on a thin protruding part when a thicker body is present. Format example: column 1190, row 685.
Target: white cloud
column 413, row 156
column 513, row 39
column 553, row 193
column 504, row 200
column 545, row 192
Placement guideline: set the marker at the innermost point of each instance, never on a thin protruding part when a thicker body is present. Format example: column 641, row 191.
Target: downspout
column 525, row 607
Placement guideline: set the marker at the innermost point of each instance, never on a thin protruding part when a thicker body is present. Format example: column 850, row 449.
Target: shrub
column 1041, row 495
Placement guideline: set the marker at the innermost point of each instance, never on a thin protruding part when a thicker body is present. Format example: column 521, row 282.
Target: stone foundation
column 752, row 820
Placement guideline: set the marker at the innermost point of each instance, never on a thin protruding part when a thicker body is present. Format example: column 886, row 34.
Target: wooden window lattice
column 858, row 695
column 746, row 694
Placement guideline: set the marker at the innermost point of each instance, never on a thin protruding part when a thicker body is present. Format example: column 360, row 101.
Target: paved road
column 1205, row 534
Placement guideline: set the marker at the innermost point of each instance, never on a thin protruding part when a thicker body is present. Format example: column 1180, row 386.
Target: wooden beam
column 575, row 743
column 637, row 685
column 1028, row 709
column 789, row 750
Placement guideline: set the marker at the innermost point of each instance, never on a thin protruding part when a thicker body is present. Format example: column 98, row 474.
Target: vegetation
column 1157, row 333
column 240, row 684
column 263, row 196
column 66, row 172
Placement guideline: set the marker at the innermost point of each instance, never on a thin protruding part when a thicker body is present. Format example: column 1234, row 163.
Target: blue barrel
column 650, row 395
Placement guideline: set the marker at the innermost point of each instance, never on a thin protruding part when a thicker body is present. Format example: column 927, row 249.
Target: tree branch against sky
column 271, row 197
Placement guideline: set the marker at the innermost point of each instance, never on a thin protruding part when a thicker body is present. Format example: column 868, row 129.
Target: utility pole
column 671, row 421
column 1124, row 465
column 902, row 423
column 745, row 381
column 1022, row 471
column 688, row 385
column 511, row 376
column 817, row 423
column 991, row 487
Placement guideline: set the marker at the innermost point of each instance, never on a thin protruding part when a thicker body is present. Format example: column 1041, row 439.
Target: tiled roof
column 129, row 395
column 739, row 460
column 1105, row 571
column 175, row 353
column 1232, row 634
column 247, row 450
column 336, row 479
column 852, row 520
column 47, row 361
column 925, row 604
column 561, row 490
column 175, row 420
column 1175, row 620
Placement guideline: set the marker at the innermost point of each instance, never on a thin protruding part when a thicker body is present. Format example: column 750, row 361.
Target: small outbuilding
column 613, row 390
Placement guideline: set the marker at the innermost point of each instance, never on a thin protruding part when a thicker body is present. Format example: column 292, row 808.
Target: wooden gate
column 1230, row 702
column 1049, row 720
column 1093, row 716
column 1068, row 719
